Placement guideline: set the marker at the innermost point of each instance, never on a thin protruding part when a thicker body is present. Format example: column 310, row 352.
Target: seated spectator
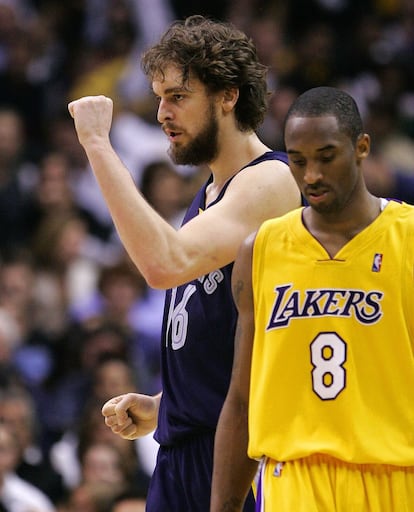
column 383, row 180
column 62, row 398
column 124, row 299
column 32, row 358
column 103, row 462
column 62, row 139
column 17, row 411
column 133, row 499
column 64, row 274
column 54, row 195
column 163, row 188
column 17, row 495
column 111, row 374
column 9, row 342
column 17, row 177
column 118, row 287
column 88, row 497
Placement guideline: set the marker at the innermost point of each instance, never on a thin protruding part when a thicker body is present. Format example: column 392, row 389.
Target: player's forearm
column 151, row 242
column 233, row 471
column 233, row 481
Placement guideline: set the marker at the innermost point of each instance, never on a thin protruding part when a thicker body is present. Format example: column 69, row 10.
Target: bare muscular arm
column 233, row 469
column 167, row 257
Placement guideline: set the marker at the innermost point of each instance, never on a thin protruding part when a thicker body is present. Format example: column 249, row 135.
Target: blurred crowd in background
column 78, row 324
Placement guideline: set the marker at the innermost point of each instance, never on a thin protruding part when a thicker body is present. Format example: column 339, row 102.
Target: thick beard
column 203, row 149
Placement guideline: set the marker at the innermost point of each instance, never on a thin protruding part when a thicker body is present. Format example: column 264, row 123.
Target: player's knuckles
column 110, row 421
column 121, row 427
column 130, row 433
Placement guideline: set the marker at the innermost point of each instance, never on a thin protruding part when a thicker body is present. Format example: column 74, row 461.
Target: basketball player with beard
column 212, row 97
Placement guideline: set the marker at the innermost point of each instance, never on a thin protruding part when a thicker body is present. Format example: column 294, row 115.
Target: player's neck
column 235, row 153
column 336, row 231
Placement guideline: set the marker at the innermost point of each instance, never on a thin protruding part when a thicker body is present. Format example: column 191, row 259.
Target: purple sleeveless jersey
column 197, row 344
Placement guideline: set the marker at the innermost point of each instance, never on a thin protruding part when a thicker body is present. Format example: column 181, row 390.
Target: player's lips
column 171, row 133
column 316, row 195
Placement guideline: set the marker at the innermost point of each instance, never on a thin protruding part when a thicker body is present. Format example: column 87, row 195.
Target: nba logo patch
column 376, row 264
column 278, row 469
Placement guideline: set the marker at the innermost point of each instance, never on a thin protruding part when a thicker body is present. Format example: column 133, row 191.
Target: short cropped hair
column 325, row 101
column 220, row 56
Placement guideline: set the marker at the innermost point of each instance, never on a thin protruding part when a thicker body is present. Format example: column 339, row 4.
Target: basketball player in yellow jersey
column 322, row 389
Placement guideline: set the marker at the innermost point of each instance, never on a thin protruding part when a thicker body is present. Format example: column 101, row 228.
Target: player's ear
column 363, row 146
column 229, row 99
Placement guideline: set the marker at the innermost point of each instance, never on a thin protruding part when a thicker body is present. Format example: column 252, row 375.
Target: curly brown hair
column 220, row 56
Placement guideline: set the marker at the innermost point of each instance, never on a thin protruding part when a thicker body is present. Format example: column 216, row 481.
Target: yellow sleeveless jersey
column 333, row 356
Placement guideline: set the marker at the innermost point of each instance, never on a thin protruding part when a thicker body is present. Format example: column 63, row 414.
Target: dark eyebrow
column 328, row 146
column 177, row 89
column 172, row 90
